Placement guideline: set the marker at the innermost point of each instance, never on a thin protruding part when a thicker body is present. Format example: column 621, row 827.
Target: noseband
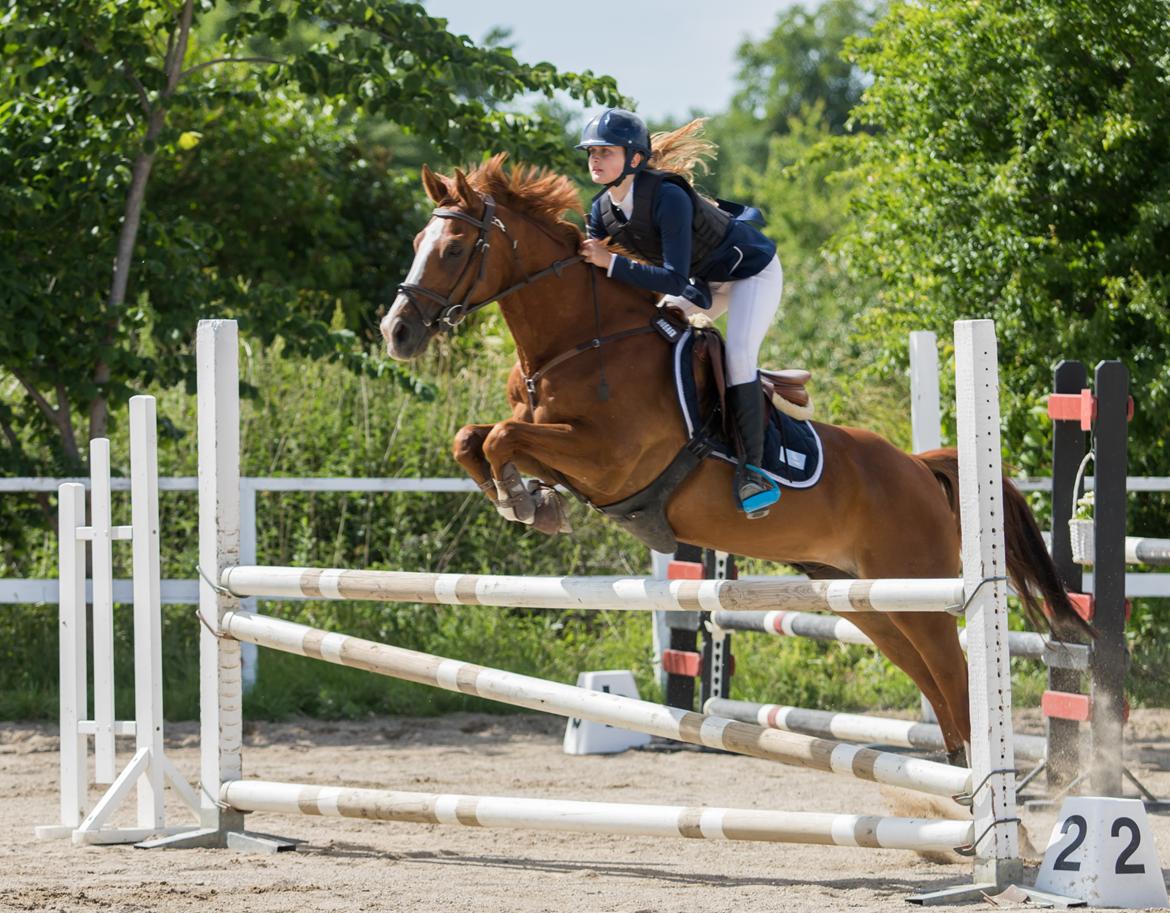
column 450, row 313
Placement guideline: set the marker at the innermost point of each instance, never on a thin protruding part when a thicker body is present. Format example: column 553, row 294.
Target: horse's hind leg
column 887, row 636
column 934, row 655
column 936, row 638
column 938, row 686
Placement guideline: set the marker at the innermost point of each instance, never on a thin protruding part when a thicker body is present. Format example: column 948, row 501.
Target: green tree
column 97, row 96
column 1019, row 169
column 805, row 197
column 798, row 67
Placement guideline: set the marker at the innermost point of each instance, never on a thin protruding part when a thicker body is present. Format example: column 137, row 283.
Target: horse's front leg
column 537, row 504
column 562, row 448
column 468, row 452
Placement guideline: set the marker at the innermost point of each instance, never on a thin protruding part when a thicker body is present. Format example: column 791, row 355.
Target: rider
column 697, row 253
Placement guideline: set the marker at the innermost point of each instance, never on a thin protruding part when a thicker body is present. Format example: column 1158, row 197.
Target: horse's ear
column 434, row 185
column 466, row 193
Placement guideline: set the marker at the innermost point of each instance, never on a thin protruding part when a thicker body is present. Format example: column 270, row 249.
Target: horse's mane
column 546, row 196
column 537, row 192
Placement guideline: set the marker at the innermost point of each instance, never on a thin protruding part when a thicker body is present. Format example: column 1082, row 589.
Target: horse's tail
column 1030, row 567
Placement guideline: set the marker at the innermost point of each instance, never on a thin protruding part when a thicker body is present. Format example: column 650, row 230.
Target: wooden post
column 1068, row 449
column 684, row 636
column 1109, row 662
column 221, row 731
column 72, row 652
column 925, row 421
column 101, row 545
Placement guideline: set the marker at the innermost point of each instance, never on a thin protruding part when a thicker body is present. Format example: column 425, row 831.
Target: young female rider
column 697, row 253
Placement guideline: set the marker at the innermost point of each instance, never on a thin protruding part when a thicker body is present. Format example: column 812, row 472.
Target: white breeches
column 750, row 305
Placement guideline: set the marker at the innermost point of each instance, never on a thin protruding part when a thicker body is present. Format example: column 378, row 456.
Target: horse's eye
column 452, row 251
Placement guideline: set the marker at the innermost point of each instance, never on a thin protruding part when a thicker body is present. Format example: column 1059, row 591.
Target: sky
column 673, row 57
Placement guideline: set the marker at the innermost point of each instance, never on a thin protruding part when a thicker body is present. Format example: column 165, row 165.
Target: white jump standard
column 981, row 594
column 149, row 770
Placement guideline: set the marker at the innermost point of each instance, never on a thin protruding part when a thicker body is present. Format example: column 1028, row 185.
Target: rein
column 451, row 314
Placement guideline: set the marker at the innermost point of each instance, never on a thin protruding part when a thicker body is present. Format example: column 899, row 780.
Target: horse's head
column 455, row 270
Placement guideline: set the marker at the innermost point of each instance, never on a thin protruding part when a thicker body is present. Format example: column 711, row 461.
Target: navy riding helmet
column 618, row 127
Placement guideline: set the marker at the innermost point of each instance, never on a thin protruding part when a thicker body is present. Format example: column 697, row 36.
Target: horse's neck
column 557, row 313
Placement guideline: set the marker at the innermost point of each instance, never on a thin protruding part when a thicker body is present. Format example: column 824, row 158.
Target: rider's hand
column 594, row 251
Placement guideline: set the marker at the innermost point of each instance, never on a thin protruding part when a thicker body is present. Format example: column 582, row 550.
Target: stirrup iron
column 756, row 491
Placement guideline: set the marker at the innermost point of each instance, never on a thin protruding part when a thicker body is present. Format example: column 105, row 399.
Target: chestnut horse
column 499, row 235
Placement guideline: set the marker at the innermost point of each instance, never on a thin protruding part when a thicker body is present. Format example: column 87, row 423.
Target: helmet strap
column 627, row 168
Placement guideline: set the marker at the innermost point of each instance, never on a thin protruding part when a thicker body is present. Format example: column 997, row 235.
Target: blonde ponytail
column 683, row 151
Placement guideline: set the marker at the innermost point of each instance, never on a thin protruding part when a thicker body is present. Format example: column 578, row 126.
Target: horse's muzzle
column 405, row 334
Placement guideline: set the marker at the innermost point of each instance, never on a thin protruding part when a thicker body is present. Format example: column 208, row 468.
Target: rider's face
column 605, row 163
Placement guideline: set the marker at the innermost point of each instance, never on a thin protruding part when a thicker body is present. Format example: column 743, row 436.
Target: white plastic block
column 1102, row 852
column 587, row 737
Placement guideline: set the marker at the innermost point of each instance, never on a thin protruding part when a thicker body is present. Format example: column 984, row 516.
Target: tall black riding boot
column 755, row 491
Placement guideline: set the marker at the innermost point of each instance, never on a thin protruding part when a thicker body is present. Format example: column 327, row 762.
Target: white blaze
column 426, row 247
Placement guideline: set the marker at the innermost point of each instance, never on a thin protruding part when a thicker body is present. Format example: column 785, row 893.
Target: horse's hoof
column 957, row 758
column 551, row 517
column 513, row 500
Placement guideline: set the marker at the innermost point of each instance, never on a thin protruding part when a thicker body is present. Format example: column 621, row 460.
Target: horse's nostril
column 400, row 333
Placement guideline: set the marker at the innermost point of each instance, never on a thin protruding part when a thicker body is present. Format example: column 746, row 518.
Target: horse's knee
column 500, row 443
column 468, row 444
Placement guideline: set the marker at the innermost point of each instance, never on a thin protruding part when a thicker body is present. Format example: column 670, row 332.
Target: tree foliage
column 797, row 68
column 1019, row 168
column 297, row 230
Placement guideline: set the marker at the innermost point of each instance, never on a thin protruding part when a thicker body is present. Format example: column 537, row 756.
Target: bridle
column 450, row 313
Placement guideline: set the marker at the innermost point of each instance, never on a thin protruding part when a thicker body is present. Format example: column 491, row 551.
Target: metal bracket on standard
column 971, row 893
column 210, row 838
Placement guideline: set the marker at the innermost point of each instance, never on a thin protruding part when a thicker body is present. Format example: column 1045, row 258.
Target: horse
column 594, row 410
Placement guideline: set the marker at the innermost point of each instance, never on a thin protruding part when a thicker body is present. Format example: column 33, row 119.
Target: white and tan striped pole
column 1144, row 550
column 853, row 727
column 598, row 817
column 582, row 593
column 582, row 703
column 1022, row 644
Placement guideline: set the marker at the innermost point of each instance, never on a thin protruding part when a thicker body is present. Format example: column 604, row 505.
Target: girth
column 643, row 514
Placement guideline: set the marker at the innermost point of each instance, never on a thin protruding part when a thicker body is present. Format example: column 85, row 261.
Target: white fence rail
column 184, row 591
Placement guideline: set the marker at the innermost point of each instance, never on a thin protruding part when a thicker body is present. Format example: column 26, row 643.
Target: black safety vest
column 708, row 228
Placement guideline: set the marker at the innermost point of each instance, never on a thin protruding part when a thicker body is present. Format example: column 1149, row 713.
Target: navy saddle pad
column 793, row 454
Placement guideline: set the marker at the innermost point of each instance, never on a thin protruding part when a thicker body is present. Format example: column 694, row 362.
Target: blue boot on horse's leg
column 754, row 490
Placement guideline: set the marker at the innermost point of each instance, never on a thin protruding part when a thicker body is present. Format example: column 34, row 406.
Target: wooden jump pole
column 621, row 593
column 582, row 703
column 1146, row 550
column 1022, row 644
column 598, row 817
column 853, row 727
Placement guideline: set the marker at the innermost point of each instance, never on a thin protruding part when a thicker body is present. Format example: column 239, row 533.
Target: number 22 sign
column 1102, row 852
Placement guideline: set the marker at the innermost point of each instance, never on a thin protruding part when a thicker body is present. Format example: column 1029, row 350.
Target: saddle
column 785, row 389
column 643, row 514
